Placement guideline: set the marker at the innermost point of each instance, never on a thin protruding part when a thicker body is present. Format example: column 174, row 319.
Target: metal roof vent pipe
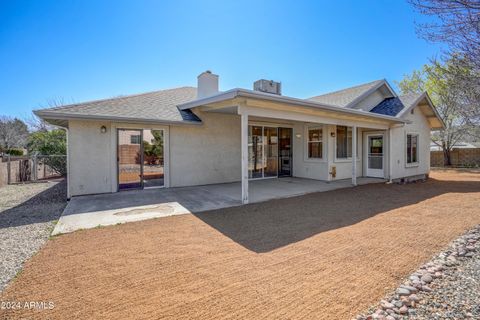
column 207, row 84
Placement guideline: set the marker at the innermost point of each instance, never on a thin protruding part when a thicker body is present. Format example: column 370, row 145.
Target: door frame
column 276, row 126
column 115, row 127
column 378, row 173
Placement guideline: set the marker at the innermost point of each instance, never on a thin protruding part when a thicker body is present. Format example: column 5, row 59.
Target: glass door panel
column 129, row 159
column 271, row 151
column 153, row 158
column 255, row 152
column 375, row 156
column 285, row 152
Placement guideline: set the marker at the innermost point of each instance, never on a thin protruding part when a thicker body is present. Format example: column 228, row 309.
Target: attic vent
column 268, row 86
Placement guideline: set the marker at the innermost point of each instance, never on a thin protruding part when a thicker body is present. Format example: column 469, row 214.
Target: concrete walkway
column 86, row 212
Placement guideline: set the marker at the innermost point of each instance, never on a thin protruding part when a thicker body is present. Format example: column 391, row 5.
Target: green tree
column 447, row 95
column 51, row 143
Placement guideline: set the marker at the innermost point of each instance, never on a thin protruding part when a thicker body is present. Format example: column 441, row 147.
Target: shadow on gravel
column 262, row 227
column 46, row 206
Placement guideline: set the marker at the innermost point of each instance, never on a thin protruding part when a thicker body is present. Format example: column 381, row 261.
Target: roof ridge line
column 352, row 87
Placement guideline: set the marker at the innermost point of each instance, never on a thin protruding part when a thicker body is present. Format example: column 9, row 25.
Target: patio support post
column 244, row 148
column 354, row 155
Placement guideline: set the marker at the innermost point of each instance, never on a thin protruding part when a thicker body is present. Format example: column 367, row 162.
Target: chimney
column 207, row 84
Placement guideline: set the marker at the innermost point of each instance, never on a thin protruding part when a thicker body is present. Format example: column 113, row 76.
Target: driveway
column 323, row 255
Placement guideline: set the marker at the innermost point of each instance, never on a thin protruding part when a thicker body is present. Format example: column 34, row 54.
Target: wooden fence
column 459, row 157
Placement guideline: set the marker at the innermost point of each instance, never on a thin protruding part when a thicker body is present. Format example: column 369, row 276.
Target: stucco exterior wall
column 420, row 126
column 89, row 153
column 320, row 169
column 302, row 166
column 208, row 153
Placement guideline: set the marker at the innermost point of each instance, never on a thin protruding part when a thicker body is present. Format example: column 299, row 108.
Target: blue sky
column 84, row 50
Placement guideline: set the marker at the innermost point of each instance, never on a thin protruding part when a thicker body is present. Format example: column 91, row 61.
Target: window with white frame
column 315, row 143
column 412, row 148
column 344, row 142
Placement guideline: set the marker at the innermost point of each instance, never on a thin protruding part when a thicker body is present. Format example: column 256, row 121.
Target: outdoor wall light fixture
column 103, row 129
column 332, row 134
column 298, row 135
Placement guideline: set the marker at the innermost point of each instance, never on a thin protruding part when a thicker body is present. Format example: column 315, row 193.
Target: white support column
column 354, row 155
column 389, row 154
column 244, row 148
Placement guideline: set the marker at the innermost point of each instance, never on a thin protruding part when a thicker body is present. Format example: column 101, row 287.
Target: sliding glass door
column 129, row 153
column 140, row 156
column 153, row 160
column 263, row 152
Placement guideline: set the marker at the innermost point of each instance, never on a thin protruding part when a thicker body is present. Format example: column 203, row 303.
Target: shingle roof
column 393, row 106
column 157, row 105
column 342, row 98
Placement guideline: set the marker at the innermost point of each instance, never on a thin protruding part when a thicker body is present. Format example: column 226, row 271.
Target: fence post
column 8, row 170
column 34, row 169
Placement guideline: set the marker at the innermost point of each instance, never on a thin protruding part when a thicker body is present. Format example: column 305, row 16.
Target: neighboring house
column 205, row 136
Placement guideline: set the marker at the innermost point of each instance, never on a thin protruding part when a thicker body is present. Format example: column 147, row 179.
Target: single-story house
column 196, row 136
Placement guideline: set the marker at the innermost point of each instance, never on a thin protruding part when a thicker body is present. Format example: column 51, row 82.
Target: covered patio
column 84, row 212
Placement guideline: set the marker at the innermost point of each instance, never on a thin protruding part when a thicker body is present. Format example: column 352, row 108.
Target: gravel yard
column 327, row 255
column 456, row 295
column 27, row 212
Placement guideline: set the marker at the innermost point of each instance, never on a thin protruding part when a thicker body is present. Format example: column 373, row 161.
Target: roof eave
column 234, row 93
column 69, row 116
column 425, row 95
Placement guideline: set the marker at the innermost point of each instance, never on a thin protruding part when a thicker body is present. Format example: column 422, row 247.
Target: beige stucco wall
column 89, row 153
column 208, row 153
column 420, row 126
column 320, row 169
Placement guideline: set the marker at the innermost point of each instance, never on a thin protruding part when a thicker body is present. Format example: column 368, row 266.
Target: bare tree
column 13, row 133
column 37, row 124
column 456, row 23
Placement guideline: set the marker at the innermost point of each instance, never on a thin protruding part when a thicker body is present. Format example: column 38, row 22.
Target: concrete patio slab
column 84, row 212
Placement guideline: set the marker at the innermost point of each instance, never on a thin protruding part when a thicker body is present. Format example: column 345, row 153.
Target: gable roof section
column 156, row 106
column 399, row 106
column 393, row 106
column 348, row 97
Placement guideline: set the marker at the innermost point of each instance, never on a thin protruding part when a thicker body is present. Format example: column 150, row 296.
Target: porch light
column 103, row 129
column 298, row 135
column 332, row 134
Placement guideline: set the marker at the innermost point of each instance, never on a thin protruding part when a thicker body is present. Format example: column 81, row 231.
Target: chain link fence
column 21, row 169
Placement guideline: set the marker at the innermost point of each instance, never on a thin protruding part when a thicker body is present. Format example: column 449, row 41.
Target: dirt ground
column 320, row 256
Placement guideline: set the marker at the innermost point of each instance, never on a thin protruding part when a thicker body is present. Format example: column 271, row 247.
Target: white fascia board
column 424, row 95
column 234, row 93
column 69, row 116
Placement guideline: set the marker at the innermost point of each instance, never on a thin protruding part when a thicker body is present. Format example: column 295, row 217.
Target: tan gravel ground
column 320, row 256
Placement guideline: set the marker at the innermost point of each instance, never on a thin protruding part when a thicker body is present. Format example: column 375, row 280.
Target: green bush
column 14, row 152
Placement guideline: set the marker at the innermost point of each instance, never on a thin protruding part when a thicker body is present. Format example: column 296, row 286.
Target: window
column 135, row 139
column 344, row 142
column 412, row 148
column 315, row 144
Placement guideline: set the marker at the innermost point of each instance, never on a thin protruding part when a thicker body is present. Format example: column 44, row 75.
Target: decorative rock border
column 402, row 303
